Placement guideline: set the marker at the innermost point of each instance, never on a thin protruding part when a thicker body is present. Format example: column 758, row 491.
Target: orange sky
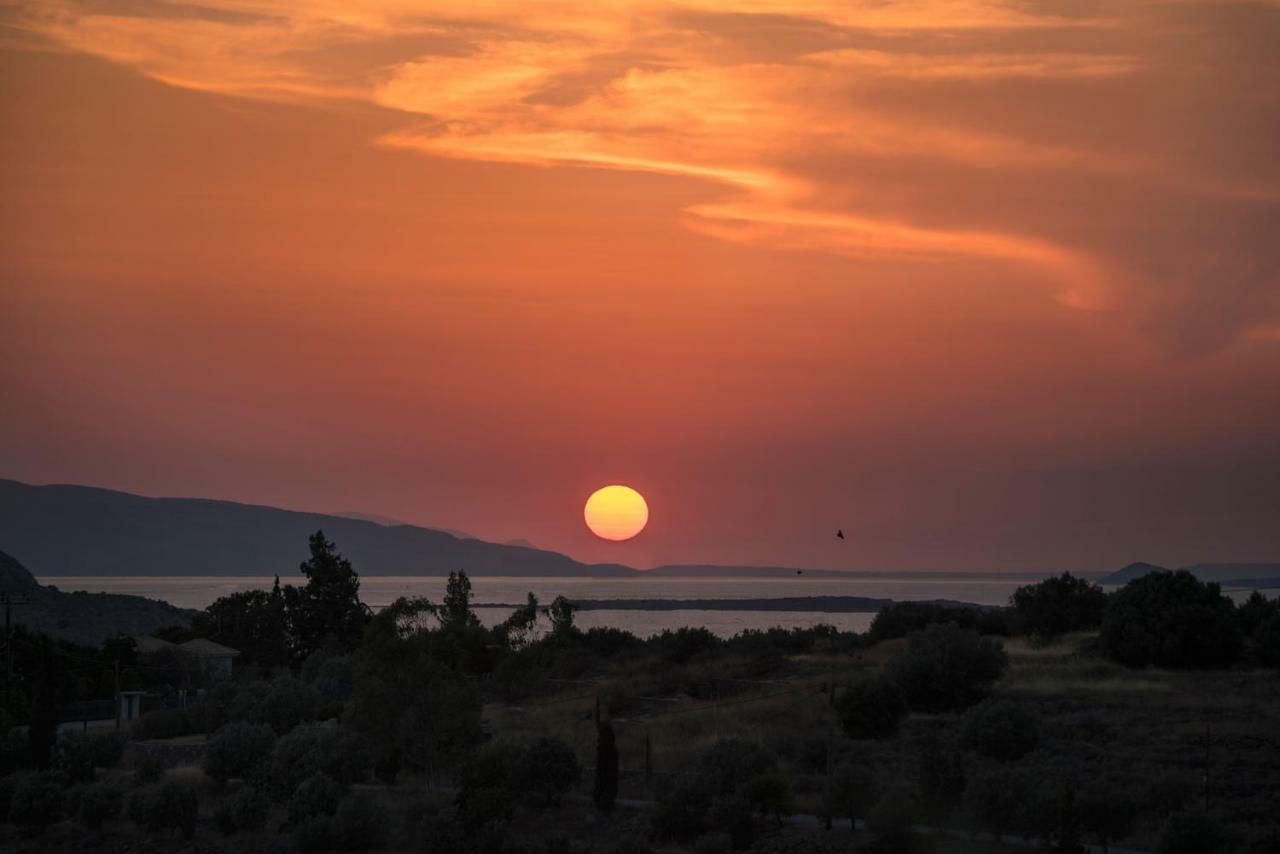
column 987, row 284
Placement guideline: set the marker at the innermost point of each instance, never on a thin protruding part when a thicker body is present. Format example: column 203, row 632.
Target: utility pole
column 9, row 600
column 117, row 675
column 1206, row 766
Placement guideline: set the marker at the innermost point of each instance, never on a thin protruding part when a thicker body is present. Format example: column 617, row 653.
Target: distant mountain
column 1226, row 574
column 390, row 522
column 78, row 530
column 1130, row 572
column 87, row 618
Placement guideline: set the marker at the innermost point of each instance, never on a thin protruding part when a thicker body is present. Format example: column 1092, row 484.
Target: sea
column 379, row 591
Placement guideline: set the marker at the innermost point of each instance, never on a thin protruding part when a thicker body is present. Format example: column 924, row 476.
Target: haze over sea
column 379, row 591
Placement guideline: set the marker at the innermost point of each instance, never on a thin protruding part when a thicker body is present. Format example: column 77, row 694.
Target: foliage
column 872, row 708
column 361, row 821
column 485, row 791
column 561, row 615
column 170, row 806
column 1259, row 622
column 891, row 819
column 147, row 770
column 455, row 611
column 239, row 749
column 247, row 809
column 941, row 774
column 326, row 612
column 546, row 769
column 683, row 644
column 162, row 724
column 899, row 619
column 1058, row 605
column 605, row 789
column 38, row 800
column 317, row 795
column 946, row 668
column 681, row 812
column 1170, row 619
column 1107, row 813
column 1000, row 730
column 312, row 749
column 1193, row 833
column 850, row 792
column 46, row 700
column 78, row 754
column 516, row 632
column 99, row 803
column 253, row 622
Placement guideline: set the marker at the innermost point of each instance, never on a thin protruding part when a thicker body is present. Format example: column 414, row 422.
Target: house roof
column 146, row 643
column 206, row 648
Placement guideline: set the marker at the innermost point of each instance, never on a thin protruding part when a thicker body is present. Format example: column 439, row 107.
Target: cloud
column 1052, row 136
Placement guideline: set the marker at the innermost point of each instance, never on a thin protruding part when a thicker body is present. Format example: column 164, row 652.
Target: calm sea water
column 982, row 589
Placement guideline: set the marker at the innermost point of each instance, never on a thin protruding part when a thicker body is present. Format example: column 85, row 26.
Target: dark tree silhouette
column 456, row 612
column 327, row 611
column 606, row 783
column 1170, row 619
column 1058, row 605
column 46, row 700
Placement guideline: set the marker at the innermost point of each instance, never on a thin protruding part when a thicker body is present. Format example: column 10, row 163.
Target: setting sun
column 616, row 513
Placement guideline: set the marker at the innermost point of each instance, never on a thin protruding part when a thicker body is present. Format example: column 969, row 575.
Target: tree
column 547, row 769
column 252, row 622
column 1170, row 619
column 46, row 700
column 1193, row 833
column 1058, row 605
column 455, row 612
column 946, row 668
column 606, row 782
column 327, row 611
column 870, row 709
column 561, row 614
column 1000, row 730
column 517, row 630
column 239, row 749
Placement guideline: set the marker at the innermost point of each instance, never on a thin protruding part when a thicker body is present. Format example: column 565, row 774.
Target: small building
column 215, row 659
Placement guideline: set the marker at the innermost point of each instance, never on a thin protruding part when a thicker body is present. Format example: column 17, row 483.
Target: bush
column 870, row 709
column 361, row 821
column 890, row 821
column 1193, row 833
column 38, row 800
column 677, row 647
column 605, row 790
column 850, row 792
column 170, row 806
column 239, row 749
column 485, row 793
column 899, row 619
column 681, row 813
column 946, row 668
column 1000, row 730
column 287, row 703
column 547, row 769
column 147, row 770
column 308, row 750
column 318, row 795
column 162, row 723
column 78, row 754
column 99, row 803
column 1058, row 605
column 248, row 809
column 1170, row 619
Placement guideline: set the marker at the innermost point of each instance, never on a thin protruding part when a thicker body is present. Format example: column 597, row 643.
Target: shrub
column 78, row 754
column 1193, row 833
column 850, row 792
column 946, row 668
column 99, row 803
column 171, row 806
column 239, row 749
column 318, row 795
column 1058, row 605
column 147, row 770
column 486, row 786
column 605, row 790
column 1107, row 813
column 162, row 723
column 1170, row 619
column 731, row 762
column 287, row 703
column 681, row 813
column 361, row 821
column 38, row 800
column 547, row 769
column 890, row 820
column 249, row 808
column 1000, row 730
column 871, row 709
column 342, row 755
column 899, row 619
column 677, row 647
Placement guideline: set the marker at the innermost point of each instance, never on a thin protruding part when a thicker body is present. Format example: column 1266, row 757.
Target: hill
column 1226, row 574
column 79, row 530
column 87, row 618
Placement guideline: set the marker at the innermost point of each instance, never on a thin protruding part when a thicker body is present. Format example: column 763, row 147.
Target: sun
column 616, row 513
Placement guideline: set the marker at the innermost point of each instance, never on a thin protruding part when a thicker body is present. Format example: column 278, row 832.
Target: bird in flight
column 840, row 534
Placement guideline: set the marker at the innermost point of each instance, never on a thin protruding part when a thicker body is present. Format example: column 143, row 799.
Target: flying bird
column 840, row 534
